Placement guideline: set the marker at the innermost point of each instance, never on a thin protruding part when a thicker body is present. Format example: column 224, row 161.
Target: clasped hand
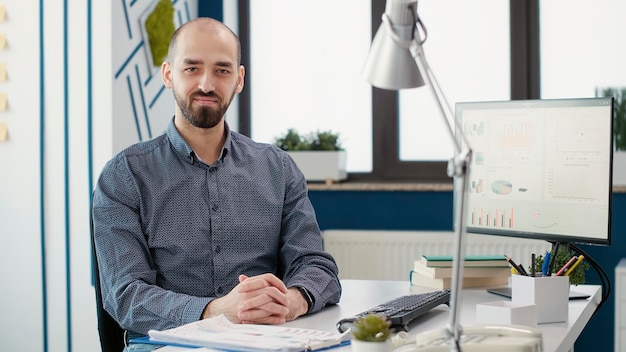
column 262, row 299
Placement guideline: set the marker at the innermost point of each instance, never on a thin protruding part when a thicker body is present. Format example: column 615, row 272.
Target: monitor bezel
column 569, row 102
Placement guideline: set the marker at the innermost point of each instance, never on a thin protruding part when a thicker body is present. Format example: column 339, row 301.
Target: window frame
column 386, row 163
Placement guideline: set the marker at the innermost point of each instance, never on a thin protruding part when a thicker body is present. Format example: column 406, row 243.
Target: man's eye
column 191, row 69
column 224, row 72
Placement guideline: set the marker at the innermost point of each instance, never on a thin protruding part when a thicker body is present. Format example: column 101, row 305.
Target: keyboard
column 402, row 310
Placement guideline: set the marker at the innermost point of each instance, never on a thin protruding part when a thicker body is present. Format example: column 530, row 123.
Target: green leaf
column 372, row 327
column 576, row 277
column 619, row 114
column 293, row 141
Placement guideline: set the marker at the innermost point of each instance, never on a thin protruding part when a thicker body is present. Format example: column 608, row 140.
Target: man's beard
column 203, row 116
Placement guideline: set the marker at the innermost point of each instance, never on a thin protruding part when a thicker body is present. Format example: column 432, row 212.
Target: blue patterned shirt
column 172, row 233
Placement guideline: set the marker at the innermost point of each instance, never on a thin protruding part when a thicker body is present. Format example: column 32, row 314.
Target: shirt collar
column 182, row 148
column 227, row 143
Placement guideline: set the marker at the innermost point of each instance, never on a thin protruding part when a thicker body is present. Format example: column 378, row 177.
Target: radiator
column 389, row 255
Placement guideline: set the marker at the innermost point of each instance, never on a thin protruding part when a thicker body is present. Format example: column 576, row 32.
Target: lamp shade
column 389, row 64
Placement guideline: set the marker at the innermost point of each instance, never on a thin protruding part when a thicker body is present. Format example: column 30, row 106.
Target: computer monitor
column 540, row 169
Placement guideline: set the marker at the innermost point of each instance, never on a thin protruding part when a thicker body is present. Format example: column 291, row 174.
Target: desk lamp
column 396, row 61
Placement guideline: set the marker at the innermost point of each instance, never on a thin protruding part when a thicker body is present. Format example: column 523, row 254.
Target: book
column 220, row 333
column 443, row 272
column 468, row 282
column 470, row 260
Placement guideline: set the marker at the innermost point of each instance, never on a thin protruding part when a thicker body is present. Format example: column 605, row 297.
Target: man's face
column 204, row 75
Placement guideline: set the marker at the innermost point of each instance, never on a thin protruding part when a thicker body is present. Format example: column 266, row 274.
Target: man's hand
column 261, row 299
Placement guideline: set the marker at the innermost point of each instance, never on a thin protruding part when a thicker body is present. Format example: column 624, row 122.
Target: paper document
column 186, row 349
column 219, row 332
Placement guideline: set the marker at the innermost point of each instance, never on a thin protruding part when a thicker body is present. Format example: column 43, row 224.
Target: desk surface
column 359, row 295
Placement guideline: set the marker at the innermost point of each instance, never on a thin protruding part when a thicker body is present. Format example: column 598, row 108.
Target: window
column 304, row 61
column 581, row 48
column 471, row 60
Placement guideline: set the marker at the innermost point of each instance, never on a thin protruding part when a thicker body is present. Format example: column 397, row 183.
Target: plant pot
column 320, row 165
column 368, row 346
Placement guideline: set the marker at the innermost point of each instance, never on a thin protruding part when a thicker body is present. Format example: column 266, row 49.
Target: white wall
column 69, row 113
column 142, row 107
column 20, row 260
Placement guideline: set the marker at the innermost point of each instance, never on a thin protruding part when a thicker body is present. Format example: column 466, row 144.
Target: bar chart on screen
column 499, row 217
column 517, row 135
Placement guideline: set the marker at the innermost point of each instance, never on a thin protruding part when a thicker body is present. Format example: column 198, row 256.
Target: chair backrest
column 111, row 334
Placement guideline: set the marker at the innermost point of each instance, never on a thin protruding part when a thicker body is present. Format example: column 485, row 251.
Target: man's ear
column 166, row 74
column 240, row 78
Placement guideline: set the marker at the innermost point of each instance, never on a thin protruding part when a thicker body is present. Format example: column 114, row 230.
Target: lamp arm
column 458, row 168
column 442, row 102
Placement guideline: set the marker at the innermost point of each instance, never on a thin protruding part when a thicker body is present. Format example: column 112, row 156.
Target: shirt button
column 211, row 169
column 220, row 290
column 218, row 249
column 214, row 207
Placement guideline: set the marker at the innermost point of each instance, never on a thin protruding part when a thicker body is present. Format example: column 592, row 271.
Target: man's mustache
column 210, row 94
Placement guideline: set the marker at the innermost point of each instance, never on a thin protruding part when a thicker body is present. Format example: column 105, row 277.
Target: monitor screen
column 540, row 168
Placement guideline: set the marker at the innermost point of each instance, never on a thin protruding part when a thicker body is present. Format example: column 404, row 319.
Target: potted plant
column 577, row 276
column 619, row 131
column 371, row 333
column 319, row 155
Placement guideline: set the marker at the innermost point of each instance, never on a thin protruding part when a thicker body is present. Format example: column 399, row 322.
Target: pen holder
column 549, row 293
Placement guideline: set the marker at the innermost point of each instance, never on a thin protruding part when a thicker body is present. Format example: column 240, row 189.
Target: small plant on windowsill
column 371, row 333
column 320, row 140
column 619, row 114
column 319, row 155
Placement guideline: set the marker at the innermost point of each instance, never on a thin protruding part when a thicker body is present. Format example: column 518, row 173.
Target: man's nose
column 206, row 83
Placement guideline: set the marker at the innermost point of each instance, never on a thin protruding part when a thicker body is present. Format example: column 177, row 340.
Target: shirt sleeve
column 304, row 261
column 128, row 276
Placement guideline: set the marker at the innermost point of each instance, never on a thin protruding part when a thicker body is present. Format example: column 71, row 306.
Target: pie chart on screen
column 501, row 187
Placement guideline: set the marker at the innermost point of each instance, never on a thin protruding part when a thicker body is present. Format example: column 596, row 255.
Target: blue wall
column 211, row 8
column 390, row 210
column 410, row 210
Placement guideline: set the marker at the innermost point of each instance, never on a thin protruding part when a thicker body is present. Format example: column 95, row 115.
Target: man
column 202, row 221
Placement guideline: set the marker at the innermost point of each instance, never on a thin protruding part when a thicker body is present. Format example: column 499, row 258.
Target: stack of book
column 478, row 271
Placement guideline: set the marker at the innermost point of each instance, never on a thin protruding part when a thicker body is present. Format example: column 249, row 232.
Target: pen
column 546, row 265
column 580, row 259
column 566, row 266
column 519, row 269
column 553, row 258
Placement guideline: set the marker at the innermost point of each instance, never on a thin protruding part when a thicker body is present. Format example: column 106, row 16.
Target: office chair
column 111, row 334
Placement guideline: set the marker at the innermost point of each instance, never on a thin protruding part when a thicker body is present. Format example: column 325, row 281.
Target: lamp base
column 481, row 338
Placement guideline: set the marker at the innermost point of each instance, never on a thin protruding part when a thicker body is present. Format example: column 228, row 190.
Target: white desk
column 359, row 295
